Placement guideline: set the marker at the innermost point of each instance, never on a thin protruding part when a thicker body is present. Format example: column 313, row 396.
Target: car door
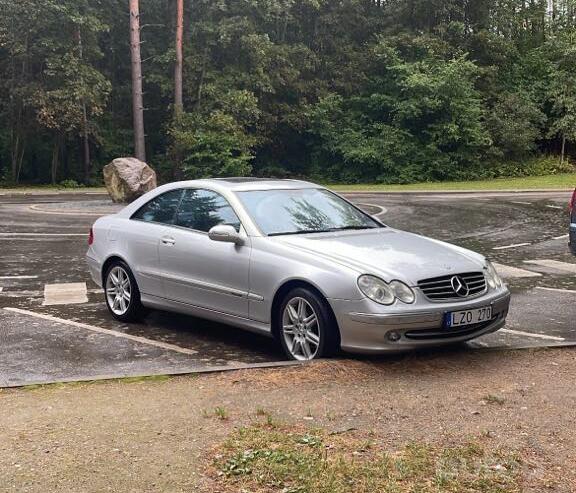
column 198, row 270
column 142, row 235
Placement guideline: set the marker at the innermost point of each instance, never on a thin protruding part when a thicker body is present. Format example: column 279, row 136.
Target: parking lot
column 54, row 325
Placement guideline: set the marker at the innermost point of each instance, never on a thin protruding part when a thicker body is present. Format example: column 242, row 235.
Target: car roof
column 244, row 184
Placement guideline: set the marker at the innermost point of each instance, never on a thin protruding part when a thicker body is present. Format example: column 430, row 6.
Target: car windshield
column 299, row 211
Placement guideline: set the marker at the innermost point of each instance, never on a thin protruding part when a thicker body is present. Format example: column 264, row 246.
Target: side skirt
column 187, row 309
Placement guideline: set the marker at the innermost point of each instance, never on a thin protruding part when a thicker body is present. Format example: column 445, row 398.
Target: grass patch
column 263, row 459
column 560, row 182
column 494, row 399
column 49, row 188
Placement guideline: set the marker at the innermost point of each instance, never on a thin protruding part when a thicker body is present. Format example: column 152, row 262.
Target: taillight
column 573, row 202
column 91, row 237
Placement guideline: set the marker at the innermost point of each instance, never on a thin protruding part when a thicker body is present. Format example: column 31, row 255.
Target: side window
column 161, row 209
column 203, row 209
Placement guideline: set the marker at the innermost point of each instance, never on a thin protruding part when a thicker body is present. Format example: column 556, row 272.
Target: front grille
column 442, row 288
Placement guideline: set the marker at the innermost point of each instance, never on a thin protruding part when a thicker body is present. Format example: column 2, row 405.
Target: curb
column 160, row 373
column 454, row 192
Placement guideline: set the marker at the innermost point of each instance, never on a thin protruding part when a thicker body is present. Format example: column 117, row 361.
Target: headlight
column 381, row 292
column 402, row 291
column 492, row 277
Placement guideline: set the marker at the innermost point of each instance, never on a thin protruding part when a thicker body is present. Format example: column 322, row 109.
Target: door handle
column 168, row 241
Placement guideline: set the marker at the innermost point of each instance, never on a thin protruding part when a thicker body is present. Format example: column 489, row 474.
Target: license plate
column 468, row 317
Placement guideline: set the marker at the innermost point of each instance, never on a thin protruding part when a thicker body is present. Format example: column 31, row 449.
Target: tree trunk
column 55, row 159
column 85, row 136
column 86, row 146
column 18, row 164
column 18, row 143
column 178, row 104
column 201, row 80
column 563, row 148
column 137, row 104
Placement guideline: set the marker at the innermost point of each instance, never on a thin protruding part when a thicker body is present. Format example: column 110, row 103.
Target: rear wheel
column 306, row 327
column 122, row 293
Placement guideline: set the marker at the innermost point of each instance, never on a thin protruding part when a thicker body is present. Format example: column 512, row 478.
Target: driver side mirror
column 226, row 234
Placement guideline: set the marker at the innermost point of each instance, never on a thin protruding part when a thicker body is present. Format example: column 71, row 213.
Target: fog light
column 393, row 336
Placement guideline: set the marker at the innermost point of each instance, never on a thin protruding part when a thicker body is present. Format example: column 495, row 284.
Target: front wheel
column 306, row 327
column 122, row 293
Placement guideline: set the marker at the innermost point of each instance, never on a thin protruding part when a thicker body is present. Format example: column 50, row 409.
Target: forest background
column 351, row 91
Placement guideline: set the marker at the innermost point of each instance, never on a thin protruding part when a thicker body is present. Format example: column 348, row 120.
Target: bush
column 70, row 184
column 535, row 166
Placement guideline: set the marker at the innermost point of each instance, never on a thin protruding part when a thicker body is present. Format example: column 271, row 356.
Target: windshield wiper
column 301, row 232
column 327, row 230
column 344, row 228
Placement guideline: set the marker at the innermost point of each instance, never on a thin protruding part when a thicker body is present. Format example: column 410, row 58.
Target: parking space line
column 71, row 212
column 382, row 209
column 100, row 330
column 556, row 290
column 514, row 272
column 554, row 264
column 522, row 203
column 554, row 206
column 43, row 234
column 532, row 334
column 18, row 277
column 515, row 245
column 561, row 237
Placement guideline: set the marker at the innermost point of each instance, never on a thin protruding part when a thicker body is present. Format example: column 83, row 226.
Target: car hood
column 388, row 253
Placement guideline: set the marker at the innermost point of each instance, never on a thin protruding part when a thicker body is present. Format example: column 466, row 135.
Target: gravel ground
column 159, row 434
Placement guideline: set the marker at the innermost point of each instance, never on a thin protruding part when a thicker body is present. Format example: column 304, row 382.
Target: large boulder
column 127, row 178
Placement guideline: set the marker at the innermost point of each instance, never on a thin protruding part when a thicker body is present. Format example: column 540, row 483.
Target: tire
column 301, row 340
column 121, row 293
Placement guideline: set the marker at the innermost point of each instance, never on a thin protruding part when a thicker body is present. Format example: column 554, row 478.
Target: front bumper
column 416, row 326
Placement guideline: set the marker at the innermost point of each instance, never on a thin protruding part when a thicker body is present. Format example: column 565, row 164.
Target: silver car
column 295, row 261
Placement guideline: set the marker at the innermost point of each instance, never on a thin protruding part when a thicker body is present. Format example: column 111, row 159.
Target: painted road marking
column 35, row 294
column 1, row 289
column 65, row 294
column 513, row 272
column 561, row 237
column 533, row 334
column 554, row 264
column 100, row 330
column 383, row 210
column 18, row 277
column 522, row 203
column 556, row 290
column 515, row 245
column 554, row 206
column 43, row 234
column 69, row 212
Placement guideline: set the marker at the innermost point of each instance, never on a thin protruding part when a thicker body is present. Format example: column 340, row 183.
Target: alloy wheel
column 301, row 329
column 118, row 290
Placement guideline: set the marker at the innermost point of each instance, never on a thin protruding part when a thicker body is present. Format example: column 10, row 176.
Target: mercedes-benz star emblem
column 459, row 286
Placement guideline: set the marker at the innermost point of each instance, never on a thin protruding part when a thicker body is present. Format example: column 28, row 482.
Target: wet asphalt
column 43, row 241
